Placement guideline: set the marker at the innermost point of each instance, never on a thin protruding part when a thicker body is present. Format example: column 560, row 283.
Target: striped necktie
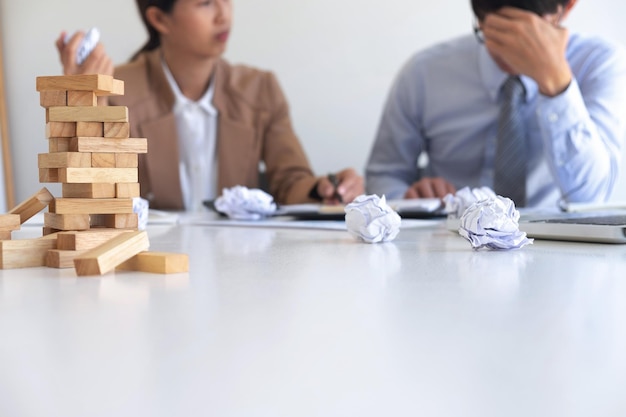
column 511, row 148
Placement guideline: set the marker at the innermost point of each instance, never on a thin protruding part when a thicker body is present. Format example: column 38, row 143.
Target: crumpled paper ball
column 455, row 205
column 493, row 224
column 141, row 207
column 242, row 203
column 371, row 220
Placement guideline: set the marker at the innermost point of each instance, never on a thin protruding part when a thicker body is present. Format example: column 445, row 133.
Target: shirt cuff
column 560, row 113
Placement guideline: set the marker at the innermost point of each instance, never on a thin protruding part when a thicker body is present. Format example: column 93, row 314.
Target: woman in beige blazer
column 187, row 39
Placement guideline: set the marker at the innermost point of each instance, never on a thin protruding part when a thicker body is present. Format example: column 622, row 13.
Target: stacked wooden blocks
column 90, row 153
column 92, row 227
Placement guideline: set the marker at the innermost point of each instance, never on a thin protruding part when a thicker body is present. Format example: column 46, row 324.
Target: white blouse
column 196, row 123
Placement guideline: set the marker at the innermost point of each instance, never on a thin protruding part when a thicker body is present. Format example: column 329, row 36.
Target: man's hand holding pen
column 341, row 187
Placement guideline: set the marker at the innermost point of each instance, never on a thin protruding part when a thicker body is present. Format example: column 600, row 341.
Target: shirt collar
column 180, row 101
column 493, row 77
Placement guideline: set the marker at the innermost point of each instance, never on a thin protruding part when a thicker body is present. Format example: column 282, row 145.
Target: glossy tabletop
column 305, row 322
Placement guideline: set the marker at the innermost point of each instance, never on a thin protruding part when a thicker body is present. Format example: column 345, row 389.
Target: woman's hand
column 98, row 62
column 349, row 185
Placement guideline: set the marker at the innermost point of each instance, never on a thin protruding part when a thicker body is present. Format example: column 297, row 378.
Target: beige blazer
column 253, row 126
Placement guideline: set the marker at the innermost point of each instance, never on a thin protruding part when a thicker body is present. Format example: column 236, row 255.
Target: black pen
column 335, row 182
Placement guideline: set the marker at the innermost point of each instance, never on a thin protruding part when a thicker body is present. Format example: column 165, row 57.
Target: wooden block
column 106, row 257
column 91, row 206
column 88, row 114
column 49, row 231
column 115, row 221
column 58, row 145
column 97, row 175
column 117, row 88
column 9, row 222
column 66, row 221
column 127, row 190
column 156, row 263
column 90, row 129
column 64, row 160
column 90, row 190
column 126, row 160
column 82, row 98
column 102, row 85
column 56, row 258
column 53, row 98
column 95, row 144
column 104, row 160
column 33, row 205
column 48, row 175
column 87, row 239
column 60, row 129
column 26, row 253
column 5, row 235
column 119, row 130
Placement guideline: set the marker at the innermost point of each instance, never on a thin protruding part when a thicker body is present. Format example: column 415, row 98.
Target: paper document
column 413, row 206
column 416, row 204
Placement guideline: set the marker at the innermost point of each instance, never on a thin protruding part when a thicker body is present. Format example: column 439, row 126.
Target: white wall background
column 334, row 58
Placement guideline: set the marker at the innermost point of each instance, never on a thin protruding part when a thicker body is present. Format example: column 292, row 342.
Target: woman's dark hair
column 154, row 39
column 540, row 7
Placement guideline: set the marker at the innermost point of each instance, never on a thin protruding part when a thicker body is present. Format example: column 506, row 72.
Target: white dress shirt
column 196, row 123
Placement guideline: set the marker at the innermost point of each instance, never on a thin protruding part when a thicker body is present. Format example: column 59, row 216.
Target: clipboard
column 417, row 208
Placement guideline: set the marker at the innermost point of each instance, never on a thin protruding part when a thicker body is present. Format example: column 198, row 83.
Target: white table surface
column 288, row 322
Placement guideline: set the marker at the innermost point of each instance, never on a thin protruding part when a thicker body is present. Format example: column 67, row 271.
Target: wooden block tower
column 90, row 154
column 92, row 227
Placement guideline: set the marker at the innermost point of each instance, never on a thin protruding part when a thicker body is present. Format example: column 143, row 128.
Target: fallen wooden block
column 71, row 245
column 156, row 263
column 26, row 253
column 58, row 258
column 9, row 222
column 106, row 257
column 33, row 205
